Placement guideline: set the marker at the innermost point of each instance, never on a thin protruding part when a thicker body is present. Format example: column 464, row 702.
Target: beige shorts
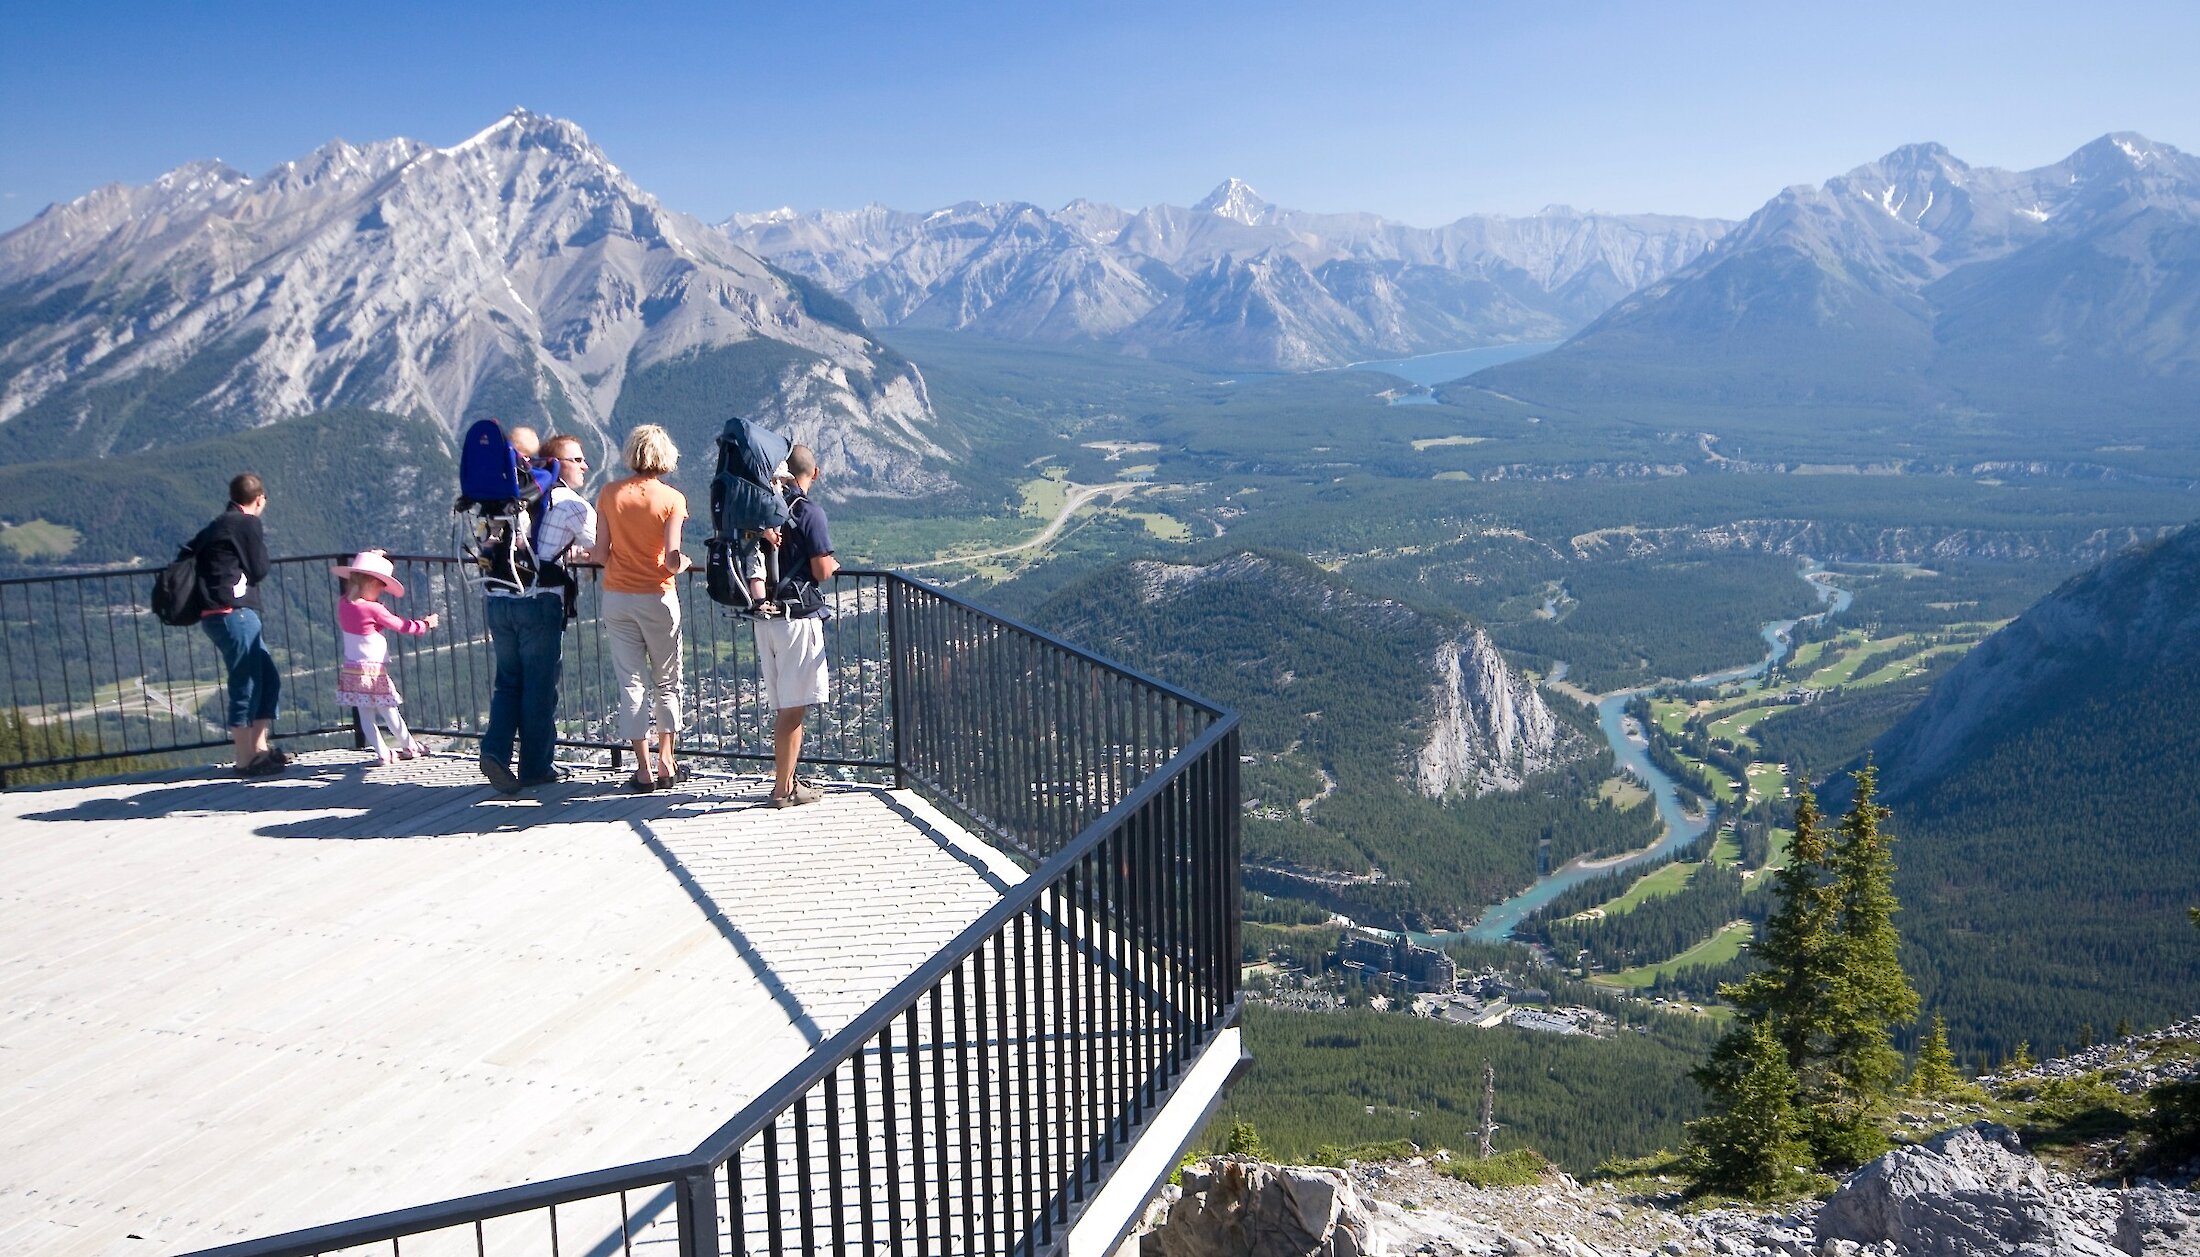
column 791, row 655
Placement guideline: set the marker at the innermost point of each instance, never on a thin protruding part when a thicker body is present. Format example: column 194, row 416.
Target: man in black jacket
column 232, row 561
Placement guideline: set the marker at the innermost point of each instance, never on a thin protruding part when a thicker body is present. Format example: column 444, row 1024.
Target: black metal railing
column 94, row 682
column 978, row 1106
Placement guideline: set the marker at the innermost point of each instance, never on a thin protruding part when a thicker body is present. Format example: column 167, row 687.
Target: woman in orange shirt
column 638, row 529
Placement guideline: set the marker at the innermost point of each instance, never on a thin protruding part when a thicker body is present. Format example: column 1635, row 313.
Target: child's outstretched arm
column 396, row 623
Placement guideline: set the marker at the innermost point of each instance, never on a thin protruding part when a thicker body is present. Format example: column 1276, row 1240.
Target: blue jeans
column 528, row 634
column 255, row 684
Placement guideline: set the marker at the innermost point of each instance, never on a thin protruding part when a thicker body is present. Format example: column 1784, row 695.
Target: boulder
column 2159, row 1222
column 1234, row 1207
column 1968, row 1192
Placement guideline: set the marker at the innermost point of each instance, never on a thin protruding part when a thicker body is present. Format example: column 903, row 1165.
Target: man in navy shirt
column 790, row 649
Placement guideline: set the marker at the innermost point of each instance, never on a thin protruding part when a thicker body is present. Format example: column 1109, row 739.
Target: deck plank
column 231, row 1008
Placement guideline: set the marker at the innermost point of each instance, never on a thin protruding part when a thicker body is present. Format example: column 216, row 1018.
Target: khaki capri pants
column 645, row 651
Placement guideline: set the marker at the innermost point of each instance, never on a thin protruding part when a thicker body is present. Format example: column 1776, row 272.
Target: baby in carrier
column 365, row 684
column 504, row 491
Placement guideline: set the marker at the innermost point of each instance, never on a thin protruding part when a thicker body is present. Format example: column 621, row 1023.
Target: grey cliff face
column 519, row 273
column 1233, row 280
column 1492, row 729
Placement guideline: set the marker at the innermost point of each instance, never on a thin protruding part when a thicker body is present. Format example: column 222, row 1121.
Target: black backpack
column 176, row 600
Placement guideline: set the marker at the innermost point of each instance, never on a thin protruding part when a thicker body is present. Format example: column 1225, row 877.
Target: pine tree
column 1870, row 994
column 1935, row 1077
column 2019, row 1060
column 1244, row 1141
column 1751, row 1143
column 1792, row 990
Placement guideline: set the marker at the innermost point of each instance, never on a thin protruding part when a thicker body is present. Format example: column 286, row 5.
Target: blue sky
column 1418, row 111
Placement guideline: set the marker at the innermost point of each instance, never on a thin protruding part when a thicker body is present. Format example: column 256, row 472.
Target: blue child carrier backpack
column 500, row 506
column 743, row 503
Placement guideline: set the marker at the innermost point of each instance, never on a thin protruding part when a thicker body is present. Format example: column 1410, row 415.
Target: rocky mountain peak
column 2126, row 148
column 1235, row 200
column 207, row 175
column 518, row 269
column 524, row 129
column 1195, row 283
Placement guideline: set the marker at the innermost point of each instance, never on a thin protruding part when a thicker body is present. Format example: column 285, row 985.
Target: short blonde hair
column 650, row 452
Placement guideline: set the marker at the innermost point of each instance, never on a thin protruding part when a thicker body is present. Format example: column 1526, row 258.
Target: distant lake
column 1430, row 369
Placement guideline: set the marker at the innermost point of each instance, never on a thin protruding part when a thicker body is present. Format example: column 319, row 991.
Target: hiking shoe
column 556, row 777
column 799, row 795
column 500, row 776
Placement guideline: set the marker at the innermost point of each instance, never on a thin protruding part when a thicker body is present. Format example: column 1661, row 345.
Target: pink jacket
column 362, row 623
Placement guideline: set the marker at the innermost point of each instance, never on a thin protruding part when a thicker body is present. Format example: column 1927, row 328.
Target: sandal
column 265, row 766
column 411, row 750
column 665, row 781
column 641, row 783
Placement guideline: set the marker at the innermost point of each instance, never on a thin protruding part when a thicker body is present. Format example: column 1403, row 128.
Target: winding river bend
column 1630, row 752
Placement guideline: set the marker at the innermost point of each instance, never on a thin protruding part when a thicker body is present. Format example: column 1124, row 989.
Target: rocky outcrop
column 1968, row 1191
column 1975, row 1192
column 1234, row 1207
column 1492, row 730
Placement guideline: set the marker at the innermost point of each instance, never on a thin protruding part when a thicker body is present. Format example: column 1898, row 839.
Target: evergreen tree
column 1751, row 1143
column 1245, row 1142
column 1935, row 1077
column 1869, row 993
column 1792, row 991
column 2019, row 1060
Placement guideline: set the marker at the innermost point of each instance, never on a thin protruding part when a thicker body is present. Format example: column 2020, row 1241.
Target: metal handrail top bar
column 1130, row 673
column 883, row 573
column 53, row 578
column 443, row 1214
column 851, row 1037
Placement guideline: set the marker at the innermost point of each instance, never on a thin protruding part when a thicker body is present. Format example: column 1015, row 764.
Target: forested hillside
column 2047, row 795
column 1336, row 684
column 1348, row 1078
column 340, row 480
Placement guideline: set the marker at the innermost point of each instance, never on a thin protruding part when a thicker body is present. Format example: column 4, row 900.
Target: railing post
column 897, row 606
column 697, row 1206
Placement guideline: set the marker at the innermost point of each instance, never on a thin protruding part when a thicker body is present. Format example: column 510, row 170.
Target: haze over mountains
column 1922, row 283
column 518, row 274
column 1232, row 281
column 523, row 275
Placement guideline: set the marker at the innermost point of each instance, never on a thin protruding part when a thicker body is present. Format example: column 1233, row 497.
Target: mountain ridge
column 518, row 273
column 1920, row 283
column 1231, row 281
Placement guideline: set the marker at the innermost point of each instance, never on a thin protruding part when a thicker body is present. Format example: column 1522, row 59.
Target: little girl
column 365, row 683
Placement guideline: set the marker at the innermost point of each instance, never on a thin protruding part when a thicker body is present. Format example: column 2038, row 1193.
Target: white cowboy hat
column 373, row 563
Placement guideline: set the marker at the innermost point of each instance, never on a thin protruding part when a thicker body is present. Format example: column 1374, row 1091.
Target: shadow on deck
column 231, row 1008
